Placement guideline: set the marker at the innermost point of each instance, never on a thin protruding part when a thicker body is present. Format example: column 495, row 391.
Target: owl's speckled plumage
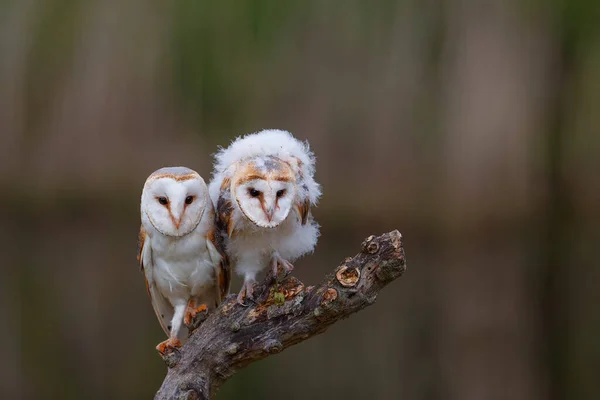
column 263, row 188
column 183, row 260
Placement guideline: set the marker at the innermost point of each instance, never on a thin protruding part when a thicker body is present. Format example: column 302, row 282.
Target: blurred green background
column 471, row 126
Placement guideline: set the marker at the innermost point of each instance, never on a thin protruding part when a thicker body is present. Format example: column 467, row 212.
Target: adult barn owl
column 182, row 258
column 263, row 188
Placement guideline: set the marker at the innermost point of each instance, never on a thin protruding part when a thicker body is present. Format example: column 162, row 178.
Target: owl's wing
column 225, row 222
column 216, row 249
column 162, row 307
column 303, row 209
column 304, row 202
column 224, row 226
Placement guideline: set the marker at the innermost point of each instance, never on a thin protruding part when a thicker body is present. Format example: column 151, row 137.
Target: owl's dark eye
column 253, row 192
column 189, row 199
column 163, row 201
column 280, row 192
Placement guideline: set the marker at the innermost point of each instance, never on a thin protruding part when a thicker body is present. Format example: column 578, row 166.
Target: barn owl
column 263, row 189
column 182, row 258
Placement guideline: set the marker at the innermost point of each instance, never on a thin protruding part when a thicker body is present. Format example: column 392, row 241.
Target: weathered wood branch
column 285, row 313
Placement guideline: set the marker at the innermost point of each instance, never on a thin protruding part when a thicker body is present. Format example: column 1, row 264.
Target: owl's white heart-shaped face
column 264, row 188
column 266, row 202
column 174, row 203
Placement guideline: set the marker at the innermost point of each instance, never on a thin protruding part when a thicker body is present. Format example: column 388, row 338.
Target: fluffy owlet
column 263, row 189
column 182, row 258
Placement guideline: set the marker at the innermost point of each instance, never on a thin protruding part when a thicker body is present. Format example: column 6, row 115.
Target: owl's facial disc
column 175, row 208
column 266, row 202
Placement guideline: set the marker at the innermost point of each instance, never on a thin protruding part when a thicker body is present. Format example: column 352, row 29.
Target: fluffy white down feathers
column 263, row 188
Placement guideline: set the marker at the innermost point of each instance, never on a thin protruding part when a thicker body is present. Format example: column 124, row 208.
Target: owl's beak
column 176, row 219
column 270, row 211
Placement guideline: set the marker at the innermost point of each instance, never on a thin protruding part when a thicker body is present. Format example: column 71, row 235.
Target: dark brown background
column 472, row 127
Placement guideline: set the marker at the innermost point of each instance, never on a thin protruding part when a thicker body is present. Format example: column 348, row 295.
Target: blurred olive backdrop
column 471, row 126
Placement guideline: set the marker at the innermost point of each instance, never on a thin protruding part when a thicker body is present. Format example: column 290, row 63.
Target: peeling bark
column 285, row 313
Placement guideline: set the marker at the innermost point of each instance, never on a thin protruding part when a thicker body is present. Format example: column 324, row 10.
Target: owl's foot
column 276, row 261
column 192, row 312
column 246, row 292
column 168, row 346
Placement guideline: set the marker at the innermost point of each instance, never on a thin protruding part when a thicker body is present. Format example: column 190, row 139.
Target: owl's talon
column 274, row 270
column 246, row 292
column 286, row 266
column 168, row 346
column 192, row 313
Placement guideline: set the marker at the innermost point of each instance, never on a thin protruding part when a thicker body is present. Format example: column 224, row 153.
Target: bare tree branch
column 285, row 313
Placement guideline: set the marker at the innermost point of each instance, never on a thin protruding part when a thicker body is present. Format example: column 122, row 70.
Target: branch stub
column 329, row 296
column 347, row 277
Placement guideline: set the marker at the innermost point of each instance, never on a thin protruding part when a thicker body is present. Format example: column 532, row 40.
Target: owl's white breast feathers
column 182, row 265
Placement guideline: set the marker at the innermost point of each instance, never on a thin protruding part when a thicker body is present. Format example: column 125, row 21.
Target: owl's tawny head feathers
column 264, row 189
column 174, row 200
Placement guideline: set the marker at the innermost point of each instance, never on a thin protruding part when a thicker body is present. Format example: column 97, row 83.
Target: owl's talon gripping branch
column 168, row 346
column 233, row 337
column 246, row 292
column 276, row 261
column 192, row 311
